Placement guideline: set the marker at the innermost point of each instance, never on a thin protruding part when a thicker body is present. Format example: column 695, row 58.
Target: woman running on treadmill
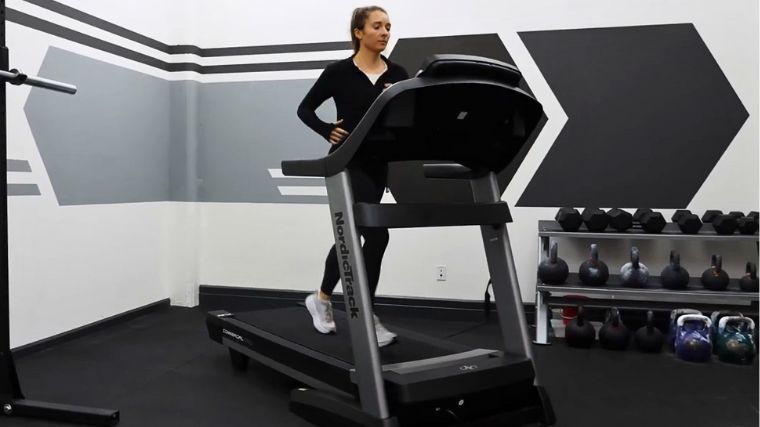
column 354, row 83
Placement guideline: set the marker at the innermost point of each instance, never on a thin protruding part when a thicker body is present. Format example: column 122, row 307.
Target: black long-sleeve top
column 351, row 90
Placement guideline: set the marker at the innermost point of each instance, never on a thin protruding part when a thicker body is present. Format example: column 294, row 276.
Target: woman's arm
column 319, row 93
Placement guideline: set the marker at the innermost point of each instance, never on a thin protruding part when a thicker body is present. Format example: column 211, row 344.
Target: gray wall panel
column 128, row 137
column 109, row 143
column 183, row 147
column 246, row 128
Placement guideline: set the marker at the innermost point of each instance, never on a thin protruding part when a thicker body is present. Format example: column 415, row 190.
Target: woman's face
column 376, row 32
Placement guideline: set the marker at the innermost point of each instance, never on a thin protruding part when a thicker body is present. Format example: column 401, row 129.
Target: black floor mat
column 163, row 370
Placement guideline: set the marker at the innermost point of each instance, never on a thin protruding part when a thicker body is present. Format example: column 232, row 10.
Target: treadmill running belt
column 295, row 325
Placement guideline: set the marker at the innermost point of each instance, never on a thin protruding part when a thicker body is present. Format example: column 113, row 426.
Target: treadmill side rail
column 353, row 276
column 501, row 265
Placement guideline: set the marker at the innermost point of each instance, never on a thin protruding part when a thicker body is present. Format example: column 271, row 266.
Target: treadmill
column 467, row 116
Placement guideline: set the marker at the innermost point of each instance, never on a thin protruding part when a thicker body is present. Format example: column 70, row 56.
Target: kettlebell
column 715, row 318
column 735, row 340
column 594, row 272
column 673, row 326
column 634, row 273
column 715, row 278
column 579, row 332
column 749, row 282
column 614, row 335
column 648, row 338
column 674, row 276
column 693, row 342
column 553, row 270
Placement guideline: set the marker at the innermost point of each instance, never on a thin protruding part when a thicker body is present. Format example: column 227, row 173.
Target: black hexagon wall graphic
column 405, row 179
column 649, row 114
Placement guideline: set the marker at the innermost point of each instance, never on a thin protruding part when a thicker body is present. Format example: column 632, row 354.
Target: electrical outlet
column 440, row 273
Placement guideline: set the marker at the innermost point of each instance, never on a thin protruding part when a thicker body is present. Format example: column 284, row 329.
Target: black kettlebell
column 614, row 335
column 674, row 276
column 553, row 270
column 579, row 332
column 594, row 272
column 715, row 278
column 634, row 274
column 749, row 282
column 648, row 338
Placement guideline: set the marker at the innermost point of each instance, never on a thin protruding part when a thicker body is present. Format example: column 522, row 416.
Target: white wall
column 283, row 246
column 74, row 265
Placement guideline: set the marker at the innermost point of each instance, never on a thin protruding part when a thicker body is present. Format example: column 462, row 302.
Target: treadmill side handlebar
column 311, row 167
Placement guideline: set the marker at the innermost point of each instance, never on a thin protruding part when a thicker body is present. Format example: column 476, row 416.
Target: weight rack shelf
column 654, row 296
column 671, row 231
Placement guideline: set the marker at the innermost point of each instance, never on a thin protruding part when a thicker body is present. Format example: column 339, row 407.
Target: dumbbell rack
column 654, row 296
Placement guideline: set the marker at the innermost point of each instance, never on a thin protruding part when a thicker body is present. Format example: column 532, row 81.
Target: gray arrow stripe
column 12, row 165
column 23, row 190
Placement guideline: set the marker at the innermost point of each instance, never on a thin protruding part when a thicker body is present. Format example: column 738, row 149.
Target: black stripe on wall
column 96, row 22
column 112, row 28
column 249, row 68
column 75, row 36
column 259, row 50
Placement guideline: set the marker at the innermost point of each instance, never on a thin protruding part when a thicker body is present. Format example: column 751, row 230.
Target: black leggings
column 368, row 183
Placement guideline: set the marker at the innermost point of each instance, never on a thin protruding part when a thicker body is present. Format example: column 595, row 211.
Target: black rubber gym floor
column 161, row 369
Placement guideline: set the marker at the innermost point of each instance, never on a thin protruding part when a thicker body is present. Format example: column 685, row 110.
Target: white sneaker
column 384, row 336
column 321, row 312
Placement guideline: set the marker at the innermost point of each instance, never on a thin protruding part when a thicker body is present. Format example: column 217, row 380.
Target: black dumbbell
column 620, row 220
column 648, row 220
column 722, row 223
column 638, row 214
column 595, row 219
column 726, row 223
column 710, row 215
column 748, row 224
column 754, row 214
column 688, row 222
column 569, row 219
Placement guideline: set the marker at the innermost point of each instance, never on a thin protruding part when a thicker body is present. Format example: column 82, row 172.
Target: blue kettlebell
column 674, row 315
column 735, row 340
column 693, row 341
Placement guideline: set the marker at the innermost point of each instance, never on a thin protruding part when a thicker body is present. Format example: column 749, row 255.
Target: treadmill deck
column 295, row 324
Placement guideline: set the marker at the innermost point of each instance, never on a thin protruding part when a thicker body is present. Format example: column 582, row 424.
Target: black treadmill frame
column 481, row 169
column 405, row 382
